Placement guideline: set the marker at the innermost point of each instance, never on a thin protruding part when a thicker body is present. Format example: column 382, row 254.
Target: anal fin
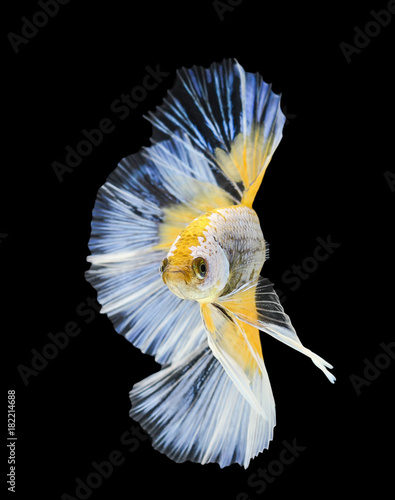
column 237, row 349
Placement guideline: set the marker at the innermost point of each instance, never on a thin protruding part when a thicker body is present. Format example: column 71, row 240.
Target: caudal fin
column 193, row 411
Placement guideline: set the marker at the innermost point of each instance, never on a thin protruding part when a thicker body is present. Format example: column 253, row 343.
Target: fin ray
column 267, row 314
column 138, row 213
column 229, row 115
column 230, row 346
column 193, row 411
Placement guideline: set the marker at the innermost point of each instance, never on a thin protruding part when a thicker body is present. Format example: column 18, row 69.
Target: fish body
column 176, row 256
column 230, row 241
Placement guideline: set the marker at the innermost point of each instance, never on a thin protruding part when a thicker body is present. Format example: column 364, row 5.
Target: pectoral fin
column 257, row 304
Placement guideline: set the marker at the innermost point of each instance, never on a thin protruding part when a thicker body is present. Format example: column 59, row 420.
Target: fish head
column 195, row 272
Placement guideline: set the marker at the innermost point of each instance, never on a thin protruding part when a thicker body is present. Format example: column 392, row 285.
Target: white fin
column 234, row 351
column 268, row 315
column 138, row 202
column 144, row 310
column 152, row 195
column 229, row 115
column 193, row 411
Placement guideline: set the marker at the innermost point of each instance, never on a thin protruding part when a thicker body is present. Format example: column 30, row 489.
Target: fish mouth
column 176, row 278
column 175, row 273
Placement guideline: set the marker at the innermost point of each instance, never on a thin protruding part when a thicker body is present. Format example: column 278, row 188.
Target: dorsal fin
column 231, row 116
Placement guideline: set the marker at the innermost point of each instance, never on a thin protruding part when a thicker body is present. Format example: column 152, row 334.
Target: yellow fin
column 247, row 161
column 206, row 197
column 242, row 302
column 228, row 340
column 229, row 334
column 230, row 117
column 227, row 337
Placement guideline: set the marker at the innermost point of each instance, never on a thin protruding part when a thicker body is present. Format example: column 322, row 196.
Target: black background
column 326, row 179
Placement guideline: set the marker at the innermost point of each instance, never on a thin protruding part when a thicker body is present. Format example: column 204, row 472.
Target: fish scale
column 240, row 235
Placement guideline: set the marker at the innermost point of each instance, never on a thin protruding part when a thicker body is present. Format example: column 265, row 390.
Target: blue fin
column 149, row 198
column 231, row 116
column 193, row 411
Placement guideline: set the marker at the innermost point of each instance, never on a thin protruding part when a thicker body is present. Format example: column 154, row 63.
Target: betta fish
column 176, row 255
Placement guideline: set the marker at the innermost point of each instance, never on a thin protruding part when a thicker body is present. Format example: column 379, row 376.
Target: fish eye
column 199, row 267
column 163, row 265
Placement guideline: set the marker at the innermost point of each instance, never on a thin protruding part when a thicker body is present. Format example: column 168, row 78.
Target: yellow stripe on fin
column 231, row 336
column 206, row 197
column 240, row 302
column 231, row 117
column 247, row 161
column 230, row 345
